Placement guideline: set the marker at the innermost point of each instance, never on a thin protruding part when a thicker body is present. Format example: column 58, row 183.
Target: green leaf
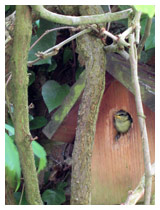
column 150, row 42
column 67, row 55
column 147, row 9
column 30, row 117
column 41, row 154
column 53, row 197
column 124, row 7
column 53, row 94
column 45, row 43
column 37, row 122
column 12, row 163
column 31, row 77
column 52, row 67
column 10, row 129
column 61, row 185
column 79, row 70
column 147, row 55
column 105, row 8
column 17, row 196
column 7, row 7
column 37, row 22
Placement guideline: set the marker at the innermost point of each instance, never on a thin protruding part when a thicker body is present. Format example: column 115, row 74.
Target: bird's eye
column 122, row 114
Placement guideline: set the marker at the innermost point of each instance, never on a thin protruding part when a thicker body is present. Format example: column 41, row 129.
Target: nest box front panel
column 117, row 166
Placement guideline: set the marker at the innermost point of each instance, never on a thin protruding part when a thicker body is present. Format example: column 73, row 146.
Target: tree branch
column 71, row 20
column 141, row 118
column 49, row 31
column 54, row 50
column 91, row 51
column 18, row 66
column 138, row 193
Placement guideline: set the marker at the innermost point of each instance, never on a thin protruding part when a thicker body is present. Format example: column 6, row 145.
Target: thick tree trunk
column 91, row 51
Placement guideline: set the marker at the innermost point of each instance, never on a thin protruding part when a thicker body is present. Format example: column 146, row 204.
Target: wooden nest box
column 117, row 167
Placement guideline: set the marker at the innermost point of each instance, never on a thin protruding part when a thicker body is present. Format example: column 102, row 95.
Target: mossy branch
column 18, row 67
column 82, row 20
column 90, row 49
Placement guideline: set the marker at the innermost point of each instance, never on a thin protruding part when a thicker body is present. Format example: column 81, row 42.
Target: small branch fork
column 54, row 50
column 119, row 42
column 135, row 195
column 48, row 31
column 118, row 45
column 74, row 21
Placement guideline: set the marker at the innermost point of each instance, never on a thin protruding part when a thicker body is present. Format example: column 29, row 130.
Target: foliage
column 41, row 154
column 67, row 55
column 148, row 9
column 9, row 9
column 37, row 122
column 53, row 94
column 150, row 42
column 17, row 196
column 45, row 43
column 53, row 66
column 12, row 162
column 55, row 197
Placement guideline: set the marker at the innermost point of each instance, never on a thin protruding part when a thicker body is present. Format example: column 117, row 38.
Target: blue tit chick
column 122, row 123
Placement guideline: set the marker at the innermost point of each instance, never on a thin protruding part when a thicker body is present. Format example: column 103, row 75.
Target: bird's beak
column 118, row 117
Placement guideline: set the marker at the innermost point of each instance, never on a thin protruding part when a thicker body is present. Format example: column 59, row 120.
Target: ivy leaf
column 53, row 94
column 10, row 129
column 52, row 67
column 61, row 185
column 150, row 42
column 12, row 163
column 54, row 197
column 147, row 9
column 41, row 154
column 7, row 7
column 17, row 196
column 67, row 55
column 45, row 43
column 37, row 122
column 124, row 7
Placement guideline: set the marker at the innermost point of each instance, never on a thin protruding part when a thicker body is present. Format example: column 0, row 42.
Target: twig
column 9, row 78
column 138, row 26
column 48, row 31
column 7, row 97
column 109, row 23
column 117, row 49
column 145, row 36
column 144, row 136
column 107, row 33
column 8, row 105
column 22, row 193
column 137, row 194
column 54, row 50
column 82, row 20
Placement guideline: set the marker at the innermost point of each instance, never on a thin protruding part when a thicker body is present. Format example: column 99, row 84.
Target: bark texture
column 90, row 49
column 18, row 66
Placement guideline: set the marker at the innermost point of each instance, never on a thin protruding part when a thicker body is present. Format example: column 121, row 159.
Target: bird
column 122, row 123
